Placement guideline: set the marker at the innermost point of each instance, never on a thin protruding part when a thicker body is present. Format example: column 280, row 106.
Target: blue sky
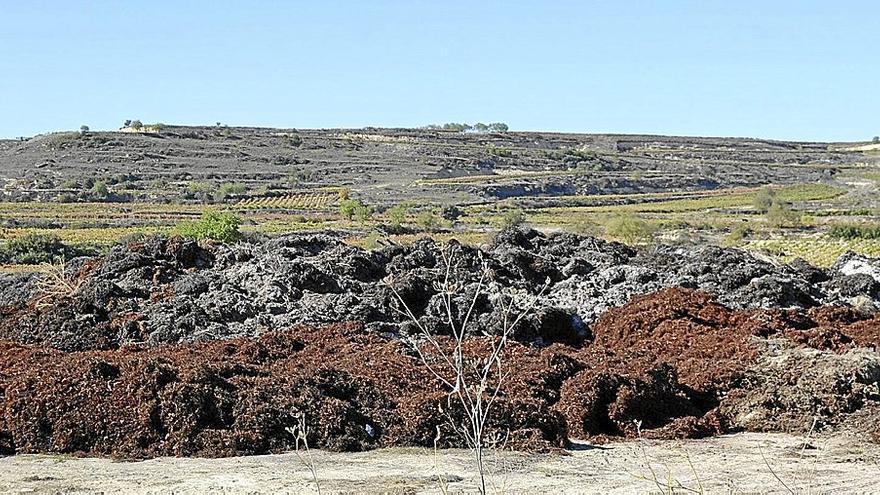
column 778, row 69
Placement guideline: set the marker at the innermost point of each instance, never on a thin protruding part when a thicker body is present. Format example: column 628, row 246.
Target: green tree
column 136, row 125
column 83, row 129
column 397, row 214
column 215, row 225
column 99, row 190
column 348, row 208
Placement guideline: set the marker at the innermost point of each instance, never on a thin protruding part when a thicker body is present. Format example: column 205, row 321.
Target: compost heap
column 168, row 347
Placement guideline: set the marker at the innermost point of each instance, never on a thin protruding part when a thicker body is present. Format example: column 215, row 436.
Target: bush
column 214, row 225
column 737, row 235
column 512, row 218
column 83, row 129
column 780, row 215
column 498, row 151
column 363, row 212
column 32, row 249
column 764, row 199
column 99, row 190
column 348, row 208
column 876, row 140
column 630, row 229
column 397, row 214
column 199, row 190
column 855, row 231
column 229, row 190
column 428, row 220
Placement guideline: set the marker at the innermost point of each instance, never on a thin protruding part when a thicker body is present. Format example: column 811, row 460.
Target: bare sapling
column 473, row 381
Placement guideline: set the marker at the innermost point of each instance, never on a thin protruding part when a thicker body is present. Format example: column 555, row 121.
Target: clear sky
column 778, row 69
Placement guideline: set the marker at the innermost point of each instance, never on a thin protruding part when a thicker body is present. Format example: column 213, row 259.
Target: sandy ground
column 742, row 463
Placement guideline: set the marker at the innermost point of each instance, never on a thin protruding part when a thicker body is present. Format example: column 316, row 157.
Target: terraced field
column 99, row 188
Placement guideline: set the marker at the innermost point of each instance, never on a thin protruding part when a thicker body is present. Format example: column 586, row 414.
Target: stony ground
column 742, row 463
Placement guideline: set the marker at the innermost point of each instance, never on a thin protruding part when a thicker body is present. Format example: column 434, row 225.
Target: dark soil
column 168, row 290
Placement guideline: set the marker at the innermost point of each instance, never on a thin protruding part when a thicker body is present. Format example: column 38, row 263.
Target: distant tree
column 456, row 127
column 219, row 226
column 876, row 139
column 481, row 127
column 83, row 129
column 498, row 127
column 780, row 215
column 137, row 125
column 349, row 207
column 127, row 123
column 764, row 199
column 397, row 214
column 363, row 212
column 99, row 190
column 513, row 218
column 229, row 190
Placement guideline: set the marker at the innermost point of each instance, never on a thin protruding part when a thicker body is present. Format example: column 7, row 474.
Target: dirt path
column 729, row 464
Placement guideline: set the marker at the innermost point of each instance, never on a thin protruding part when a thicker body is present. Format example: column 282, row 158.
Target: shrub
column 499, row 151
column 99, row 190
column 397, row 214
column 428, row 220
column 780, row 215
column 214, row 225
column 32, row 249
column 362, row 212
column 348, row 208
column 512, row 218
column 855, row 231
column 876, row 140
column 83, row 129
column 228, row 190
column 199, row 190
column 737, row 235
column 630, row 229
column 764, row 199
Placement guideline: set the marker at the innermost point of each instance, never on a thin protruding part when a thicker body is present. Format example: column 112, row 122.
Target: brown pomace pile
column 670, row 364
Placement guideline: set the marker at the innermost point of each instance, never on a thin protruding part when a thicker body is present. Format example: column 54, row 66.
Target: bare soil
column 741, row 463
